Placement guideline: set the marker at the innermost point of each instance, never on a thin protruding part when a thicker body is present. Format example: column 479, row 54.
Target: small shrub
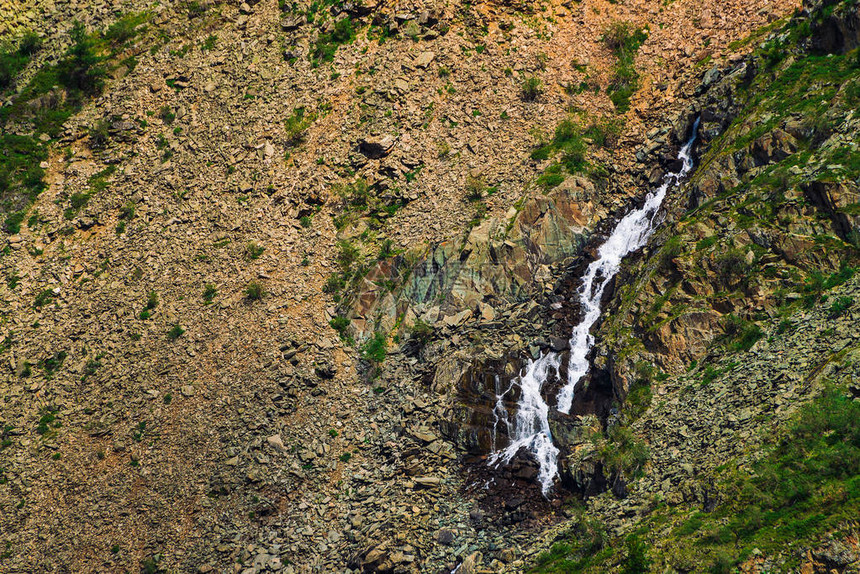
column 723, row 564
column 254, row 291
column 637, row 561
column 12, row 281
column 296, row 125
column 30, row 44
column 91, row 367
column 605, row 133
column 81, row 69
column 124, row 29
column 254, row 251
column 11, row 63
column 623, row 453
column 345, row 457
column 151, row 300
column 551, row 178
column 386, row 249
column 209, row 293
column 475, row 188
column 421, row 331
column 175, row 332
column 624, row 41
column 126, row 212
column 48, row 417
column 348, row 255
column 99, row 135
column 340, row 324
column 151, row 304
column 79, row 200
column 785, row 326
column 566, row 131
column 531, row 88
column 374, row 349
column 478, row 215
column 327, row 43
column 691, row 525
column 44, row 298
column 150, row 564
column 568, row 140
column 839, row 306
column 209, row 43
column 671, row 249
column 707, row 242
column 733, row 269
column 166, row 114
column 334, row 283
column 53, row 363
column 638, row 399
column 740, row 333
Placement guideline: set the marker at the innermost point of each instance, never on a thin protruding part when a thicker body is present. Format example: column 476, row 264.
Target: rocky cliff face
column 267, row 264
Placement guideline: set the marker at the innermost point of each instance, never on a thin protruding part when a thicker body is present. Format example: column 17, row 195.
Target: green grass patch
column 623, row 40
column 327, row 44
column 807, row 484
column 55, row 92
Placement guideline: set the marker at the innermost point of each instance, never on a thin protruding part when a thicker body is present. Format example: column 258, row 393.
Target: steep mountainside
column 267, row 266
column 731, row 342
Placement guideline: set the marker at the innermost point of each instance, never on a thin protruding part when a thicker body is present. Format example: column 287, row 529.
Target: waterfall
column 531, row 426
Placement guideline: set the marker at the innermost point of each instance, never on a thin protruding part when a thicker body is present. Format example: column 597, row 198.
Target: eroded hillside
column 222, row 220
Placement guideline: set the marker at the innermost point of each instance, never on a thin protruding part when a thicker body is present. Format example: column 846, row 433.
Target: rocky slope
column 736, row 316
column 259, row 283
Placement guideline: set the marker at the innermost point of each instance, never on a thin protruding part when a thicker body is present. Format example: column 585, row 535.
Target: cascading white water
column 531, row 426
